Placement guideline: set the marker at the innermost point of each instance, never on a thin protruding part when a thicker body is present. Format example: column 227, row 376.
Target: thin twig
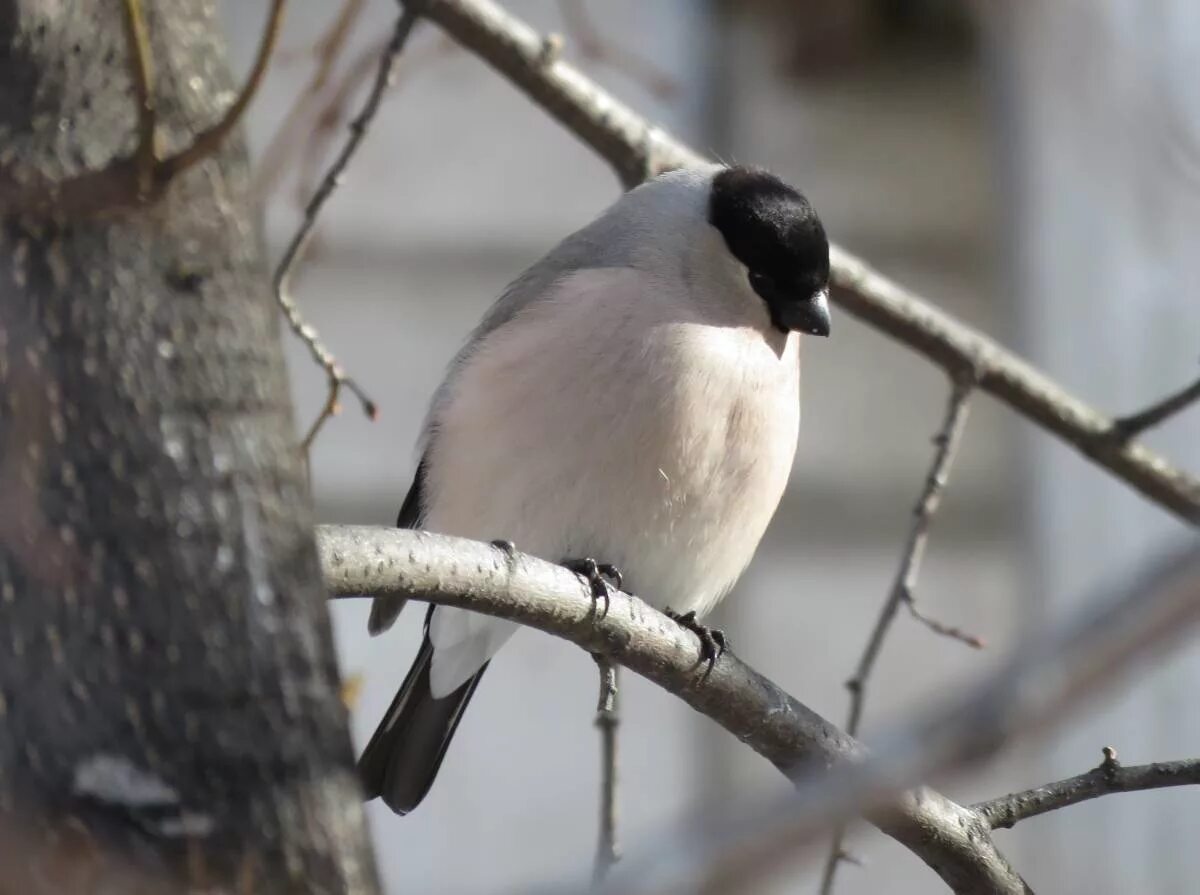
column 331, row 113
column 942, row 629
column 636, row 149
column 208, row 141
column 1109, row 776
column 629, row 143
column 141, row 69
column 833, row 860
column 904, row 586
column 1127, row 427
column 331, row 407
column 335, row 375
column 608, row 850
column 328, row 50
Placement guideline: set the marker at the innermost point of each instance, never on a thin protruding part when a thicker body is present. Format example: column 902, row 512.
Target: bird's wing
column 410, row 510
column 527, row 290
column 385, row 610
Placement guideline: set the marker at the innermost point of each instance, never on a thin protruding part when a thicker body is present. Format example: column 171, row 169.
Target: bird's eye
column 761, row 283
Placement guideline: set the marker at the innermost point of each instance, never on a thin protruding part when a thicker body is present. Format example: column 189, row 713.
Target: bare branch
column 332, row 111
column 335, row 375
column 1127, row 427
column 905, row 584
column 1038, row 687
column 328, row 119
column 209, row 140
column 319, row 108
column 635, row 149
column 454, row 572
column 903, row 588
column 273, row 160
column 1107, row 778
column 1049, row 675
column 608, row 851
column 944, row 630
column 631, row 145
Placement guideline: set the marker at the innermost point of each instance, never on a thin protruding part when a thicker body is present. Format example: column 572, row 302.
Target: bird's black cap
column 772, row 229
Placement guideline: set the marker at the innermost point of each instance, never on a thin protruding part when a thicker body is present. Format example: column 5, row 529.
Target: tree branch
column 1127, row 427
column 1108, row 777
column 328, row 50
column 631, row 145
column 450, row 571
column 1050, row 673
column 903, row 588
column 636, row 149
column 209, row 140
column 905, row 584
column 336, row 377
column 608, row 851
column 1047, row 677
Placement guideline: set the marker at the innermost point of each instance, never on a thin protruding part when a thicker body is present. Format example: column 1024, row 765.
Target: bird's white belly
column 663, row 451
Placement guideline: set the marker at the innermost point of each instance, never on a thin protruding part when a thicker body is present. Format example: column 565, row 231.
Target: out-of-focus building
column 1034, row 170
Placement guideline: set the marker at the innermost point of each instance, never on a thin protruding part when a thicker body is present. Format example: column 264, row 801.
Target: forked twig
column 1108, row 777
column 209, row 140
column 903, row 588
column 946, row 446
column 336, row 376
column 1127, row 427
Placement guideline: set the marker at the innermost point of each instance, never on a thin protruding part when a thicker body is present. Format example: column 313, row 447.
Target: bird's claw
column 598, row 577
column 713, row 642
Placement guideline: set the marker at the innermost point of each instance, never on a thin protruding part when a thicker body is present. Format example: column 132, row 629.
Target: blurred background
column 1034, row 168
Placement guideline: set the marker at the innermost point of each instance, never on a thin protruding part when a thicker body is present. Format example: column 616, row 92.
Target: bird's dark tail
column 407, row 748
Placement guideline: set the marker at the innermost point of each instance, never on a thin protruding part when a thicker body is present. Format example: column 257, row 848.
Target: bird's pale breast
column 621, row 429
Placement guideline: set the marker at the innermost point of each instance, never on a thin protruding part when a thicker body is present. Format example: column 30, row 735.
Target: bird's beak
column 810, row 316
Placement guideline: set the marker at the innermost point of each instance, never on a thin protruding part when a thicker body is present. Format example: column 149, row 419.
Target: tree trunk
column 168, row 692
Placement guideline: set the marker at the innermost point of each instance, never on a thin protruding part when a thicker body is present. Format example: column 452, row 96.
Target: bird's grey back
column 642, row 227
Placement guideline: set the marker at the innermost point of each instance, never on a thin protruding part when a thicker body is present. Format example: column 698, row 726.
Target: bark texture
column 168, row 694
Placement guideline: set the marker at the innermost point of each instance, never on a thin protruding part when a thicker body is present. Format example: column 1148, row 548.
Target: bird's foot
column 598, row 577
column 713, row 642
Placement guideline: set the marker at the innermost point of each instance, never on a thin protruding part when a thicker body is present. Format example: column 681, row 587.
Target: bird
column 629, row 408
